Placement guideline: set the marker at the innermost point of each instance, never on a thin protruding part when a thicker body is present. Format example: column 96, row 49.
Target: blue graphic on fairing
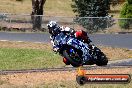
column 62, row 39
column 75, row 52
column 81, row 46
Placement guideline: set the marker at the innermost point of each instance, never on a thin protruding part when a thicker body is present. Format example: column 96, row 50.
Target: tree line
column 85, row 8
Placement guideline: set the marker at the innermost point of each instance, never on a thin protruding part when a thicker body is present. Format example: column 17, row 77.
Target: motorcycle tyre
column 72, row 62
column 102, row 60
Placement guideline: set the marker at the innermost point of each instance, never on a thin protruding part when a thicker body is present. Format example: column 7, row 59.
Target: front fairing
column 60, row 39
column 77, row 44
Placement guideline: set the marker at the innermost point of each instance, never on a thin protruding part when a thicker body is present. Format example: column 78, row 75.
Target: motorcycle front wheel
column 74, row 58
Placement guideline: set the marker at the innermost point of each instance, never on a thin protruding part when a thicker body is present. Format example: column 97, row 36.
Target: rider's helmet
column 53, row 27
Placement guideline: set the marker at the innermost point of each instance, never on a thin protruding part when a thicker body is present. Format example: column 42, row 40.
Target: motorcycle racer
column 55, row 29
column 73, row 47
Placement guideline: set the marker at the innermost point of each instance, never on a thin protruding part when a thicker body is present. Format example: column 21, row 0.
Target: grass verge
column 13, row 59
column 27, row 55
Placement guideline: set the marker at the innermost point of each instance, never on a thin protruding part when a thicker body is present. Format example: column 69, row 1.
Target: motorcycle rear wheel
column 102, row 59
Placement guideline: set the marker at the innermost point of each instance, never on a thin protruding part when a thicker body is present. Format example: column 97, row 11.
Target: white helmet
column 51, row 24
column 53, row 28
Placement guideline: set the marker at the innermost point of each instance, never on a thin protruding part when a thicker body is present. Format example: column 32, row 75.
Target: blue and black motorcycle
column 78, row 53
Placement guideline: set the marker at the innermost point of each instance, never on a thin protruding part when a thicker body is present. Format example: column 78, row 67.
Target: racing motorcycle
column 77, row 53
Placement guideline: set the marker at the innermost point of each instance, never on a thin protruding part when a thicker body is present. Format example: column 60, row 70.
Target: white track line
column 4, row 40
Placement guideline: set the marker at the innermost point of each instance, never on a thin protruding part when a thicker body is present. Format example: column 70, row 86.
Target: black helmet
column 53, row 27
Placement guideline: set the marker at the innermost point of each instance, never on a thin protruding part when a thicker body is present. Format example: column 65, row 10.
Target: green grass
column 26, row 55
column 13, row 59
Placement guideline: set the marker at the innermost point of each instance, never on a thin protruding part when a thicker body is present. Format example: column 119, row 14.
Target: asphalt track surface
column 114, row 40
